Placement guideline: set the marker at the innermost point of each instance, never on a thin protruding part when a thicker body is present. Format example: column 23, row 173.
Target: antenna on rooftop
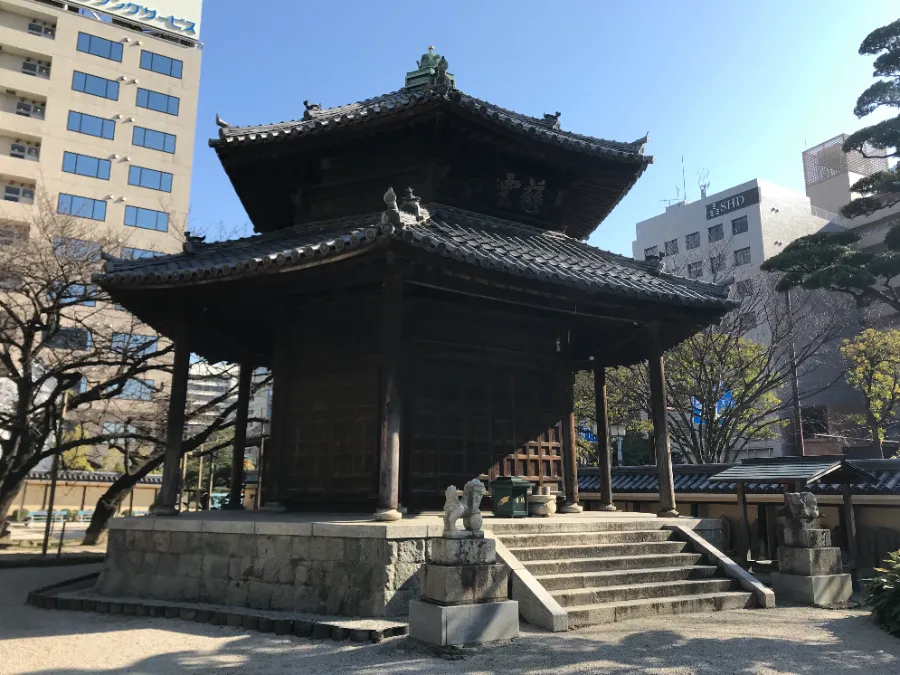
column 703, row 182
column 683, row 181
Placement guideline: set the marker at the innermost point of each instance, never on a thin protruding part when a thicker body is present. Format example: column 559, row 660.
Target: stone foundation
column 349, row 570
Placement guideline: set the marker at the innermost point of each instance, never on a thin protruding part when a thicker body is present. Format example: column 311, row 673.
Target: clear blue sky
column 737, row 88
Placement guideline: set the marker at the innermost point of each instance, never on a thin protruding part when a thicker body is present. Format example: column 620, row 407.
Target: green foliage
column 881, row 189
column 75, row 460
column 883, row 594
column 827, row 260
column 20, row 515
column 873, row 359
column 71, row 516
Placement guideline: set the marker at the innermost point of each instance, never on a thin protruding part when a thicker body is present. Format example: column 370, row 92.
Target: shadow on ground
column 849, row 651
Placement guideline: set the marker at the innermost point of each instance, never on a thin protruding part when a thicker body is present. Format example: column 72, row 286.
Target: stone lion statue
column 468, row 508
column 802, row 506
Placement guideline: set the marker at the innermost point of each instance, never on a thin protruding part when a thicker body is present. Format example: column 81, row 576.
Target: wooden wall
column 483, row 392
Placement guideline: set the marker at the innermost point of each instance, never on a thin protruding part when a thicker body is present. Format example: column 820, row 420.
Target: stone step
column 597, row 550
column 559, row 582
column 588, row 615
column 640, row 591
column 553, row 526
column 629, row 562
column 567, row 539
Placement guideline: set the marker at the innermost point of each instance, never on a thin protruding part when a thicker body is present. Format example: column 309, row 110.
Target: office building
column 98, row 103
column 729, row 235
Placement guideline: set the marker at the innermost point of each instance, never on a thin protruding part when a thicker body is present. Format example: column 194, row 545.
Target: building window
column 18, row 193
column 30, row 109
column 739, row 225
column 692, row 241
column 80, row 249
column 744, row 288
column 155, row 140
column 671, row 247
column 153, row 100
column 74, row 294
column 747, row 322
column 695, row 269
column 36, row 68
column 117, row 429
column 146, row 219
column 815, row 421
column 76, row 339
column 96, row 86
column 136, row 390
column 82, row 207
column 717, row 264
column 161, row 64
column 42, row 29
column 133, row 345
column 716, row 233
column 129, row 253
column 98, row 46
column 85, row 165
column 25, row 151
column 651, row 252
column 92, row 126
column 150, row 178
column 742, row 256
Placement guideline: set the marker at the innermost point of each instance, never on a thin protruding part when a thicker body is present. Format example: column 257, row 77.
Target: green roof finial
column 432, row 71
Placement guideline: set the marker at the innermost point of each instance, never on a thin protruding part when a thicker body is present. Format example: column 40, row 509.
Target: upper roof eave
column 317, row 120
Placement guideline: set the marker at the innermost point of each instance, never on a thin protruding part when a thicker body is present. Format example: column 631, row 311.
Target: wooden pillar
column 240, row 438
column 744, row 549
column 83, row 497
column 391, row 401
column 850, row 525
column 168, row 493
column 658, row 403
column 569, row 458
column 604, row 450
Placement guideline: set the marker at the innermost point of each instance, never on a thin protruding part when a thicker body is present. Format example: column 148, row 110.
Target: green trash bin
column 509, row 495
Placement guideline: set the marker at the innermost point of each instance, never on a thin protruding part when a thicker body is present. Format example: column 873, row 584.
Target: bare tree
column 63, row 344
column 729, row 385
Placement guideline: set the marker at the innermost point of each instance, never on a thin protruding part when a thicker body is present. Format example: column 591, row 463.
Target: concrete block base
column 826, row 589
column 809, row 561
column 463, row 625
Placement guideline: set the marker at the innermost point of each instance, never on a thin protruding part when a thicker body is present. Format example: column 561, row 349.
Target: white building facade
column 728, row 235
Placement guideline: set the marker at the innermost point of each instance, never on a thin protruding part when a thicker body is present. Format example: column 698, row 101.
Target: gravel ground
column 771, row 642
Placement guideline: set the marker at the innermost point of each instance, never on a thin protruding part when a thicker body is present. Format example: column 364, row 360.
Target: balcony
column 23, row 169
column 24, row 40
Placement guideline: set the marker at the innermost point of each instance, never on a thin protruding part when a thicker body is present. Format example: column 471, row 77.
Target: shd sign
column 733, row 203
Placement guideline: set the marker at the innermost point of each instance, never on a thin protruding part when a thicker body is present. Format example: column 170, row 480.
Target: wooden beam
column 569, row 457
column 658, row 403
column 745, row 524
column 391, row 401
column 245, row 378
column 850, row 525
column 603, row 447
column 168, row 493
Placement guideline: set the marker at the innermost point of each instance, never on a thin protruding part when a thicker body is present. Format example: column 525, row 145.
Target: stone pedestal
column 464, row 595
column 809, row 568
column 542, row 505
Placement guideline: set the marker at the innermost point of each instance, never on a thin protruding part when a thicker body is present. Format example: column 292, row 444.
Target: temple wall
column 324, row 568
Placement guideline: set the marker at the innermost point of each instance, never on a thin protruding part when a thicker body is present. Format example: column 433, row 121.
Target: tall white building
column 729, row 233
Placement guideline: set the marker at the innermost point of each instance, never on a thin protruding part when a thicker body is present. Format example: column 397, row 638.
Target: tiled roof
column 90, row 477
column 317, row 120
column 695, row 478
column 483, row 241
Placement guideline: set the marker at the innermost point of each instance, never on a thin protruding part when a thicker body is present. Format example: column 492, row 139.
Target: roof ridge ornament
column 391, row 215
column 192, row 242
column 431, row 73
column 552, row 120
column 310, row 109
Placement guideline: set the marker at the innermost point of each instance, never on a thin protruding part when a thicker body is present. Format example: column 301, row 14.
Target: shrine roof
column 464, row 236
column 318, row 120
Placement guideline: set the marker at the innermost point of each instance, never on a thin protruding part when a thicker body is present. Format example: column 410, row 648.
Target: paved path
column 771, row 642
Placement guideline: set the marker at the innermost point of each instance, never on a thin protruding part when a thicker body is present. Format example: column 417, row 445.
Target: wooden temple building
column 420, row 286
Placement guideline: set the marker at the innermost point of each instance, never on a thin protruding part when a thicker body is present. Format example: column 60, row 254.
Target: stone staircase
column 605, row 571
